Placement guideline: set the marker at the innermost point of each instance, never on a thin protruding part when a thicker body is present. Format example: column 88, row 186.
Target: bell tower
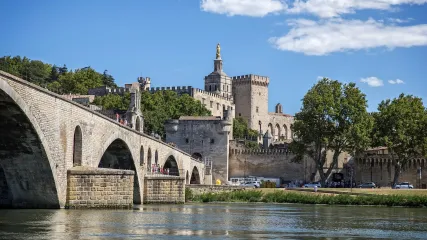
column 218, row 82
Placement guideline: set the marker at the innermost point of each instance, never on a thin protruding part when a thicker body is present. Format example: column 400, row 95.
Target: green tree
column 333, row 117
column 241, row 129
column 163, row 105
column 108, row 80
column 80, row 81
column 113, row 101
column 400, row 125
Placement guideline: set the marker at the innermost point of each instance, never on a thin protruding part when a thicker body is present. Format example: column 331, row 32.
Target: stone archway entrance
column 195, row 176
column 172, row 165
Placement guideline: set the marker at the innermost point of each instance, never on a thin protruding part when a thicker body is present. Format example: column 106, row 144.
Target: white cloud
column 372, row 81
column 252, row 8
column 321, row 8
column 335, row 8
column 338, row 35
column 397, row 81
column 398, row 20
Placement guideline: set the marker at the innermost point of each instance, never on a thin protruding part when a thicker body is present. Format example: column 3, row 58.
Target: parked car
column 367, row 185
column 311, row 185
column 403, row 185
column 255, row 184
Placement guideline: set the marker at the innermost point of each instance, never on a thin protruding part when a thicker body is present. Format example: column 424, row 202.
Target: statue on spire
column 218, row 51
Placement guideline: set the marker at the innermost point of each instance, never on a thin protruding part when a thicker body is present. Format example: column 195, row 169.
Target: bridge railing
column 165, row 172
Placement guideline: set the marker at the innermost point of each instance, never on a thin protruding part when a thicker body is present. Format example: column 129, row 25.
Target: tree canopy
column 333, row 118
column 401, row 126
column 163, row 105
column 56, row 79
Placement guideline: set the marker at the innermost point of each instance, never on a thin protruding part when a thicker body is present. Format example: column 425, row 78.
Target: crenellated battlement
column 251, row 79
column 213, row 94
column 260, row 152
column 177, row 89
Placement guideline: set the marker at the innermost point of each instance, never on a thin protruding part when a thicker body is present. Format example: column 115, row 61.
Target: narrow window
column 211, row 104
column 186, row 140
column 256, row 109
column 212, row 141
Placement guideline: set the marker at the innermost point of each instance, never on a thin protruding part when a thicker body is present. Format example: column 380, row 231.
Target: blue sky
column 370, row 42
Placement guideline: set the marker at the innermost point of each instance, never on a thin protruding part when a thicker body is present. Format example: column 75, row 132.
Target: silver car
column 403, row 185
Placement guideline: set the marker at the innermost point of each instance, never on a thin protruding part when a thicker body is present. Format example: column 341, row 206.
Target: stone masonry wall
column 214, row 102
column 272, row 163
column 99, row 188
column 164, row 189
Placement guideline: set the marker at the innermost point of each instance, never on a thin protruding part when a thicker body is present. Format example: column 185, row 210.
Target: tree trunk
column 397, row 169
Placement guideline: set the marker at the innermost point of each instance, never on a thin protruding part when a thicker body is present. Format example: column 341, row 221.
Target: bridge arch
column 119, row 156
column 195, row 176
column 77, row 147
column 23, row 146
column 172, row 165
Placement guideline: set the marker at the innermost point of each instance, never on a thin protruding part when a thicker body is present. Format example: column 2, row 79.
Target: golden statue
column 218, row 51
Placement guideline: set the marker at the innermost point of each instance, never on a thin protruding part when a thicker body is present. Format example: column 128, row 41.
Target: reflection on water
column 217, row 221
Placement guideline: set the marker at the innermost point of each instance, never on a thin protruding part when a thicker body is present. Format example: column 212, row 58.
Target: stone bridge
column 42, row 135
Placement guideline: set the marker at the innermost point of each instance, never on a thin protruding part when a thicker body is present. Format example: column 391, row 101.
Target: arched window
column 77, row 147
column 141, row 156
column 156, row 157
column 285, row 131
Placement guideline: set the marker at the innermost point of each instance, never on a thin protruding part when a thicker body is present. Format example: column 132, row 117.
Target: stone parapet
column 99, row 188
column 164, row 189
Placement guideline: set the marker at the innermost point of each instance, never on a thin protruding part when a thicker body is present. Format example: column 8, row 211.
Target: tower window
column 215, row 87
column 240, row 114
column 217, row 106
column 210, row 89
column 211, row 103
column 256, row 109
column 186, row 140
column 212, row 141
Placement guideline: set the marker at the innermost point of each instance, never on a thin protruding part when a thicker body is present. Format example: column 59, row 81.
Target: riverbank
column 290, row 196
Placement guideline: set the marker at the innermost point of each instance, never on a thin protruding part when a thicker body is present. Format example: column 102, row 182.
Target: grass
column 376, row 191
column 290, row 196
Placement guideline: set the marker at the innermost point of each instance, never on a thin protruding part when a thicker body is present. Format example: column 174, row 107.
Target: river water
column 217, row 221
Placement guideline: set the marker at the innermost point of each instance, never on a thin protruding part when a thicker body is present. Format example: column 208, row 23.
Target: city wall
column 269, row 163
column 99, row 188
column 380, row 170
